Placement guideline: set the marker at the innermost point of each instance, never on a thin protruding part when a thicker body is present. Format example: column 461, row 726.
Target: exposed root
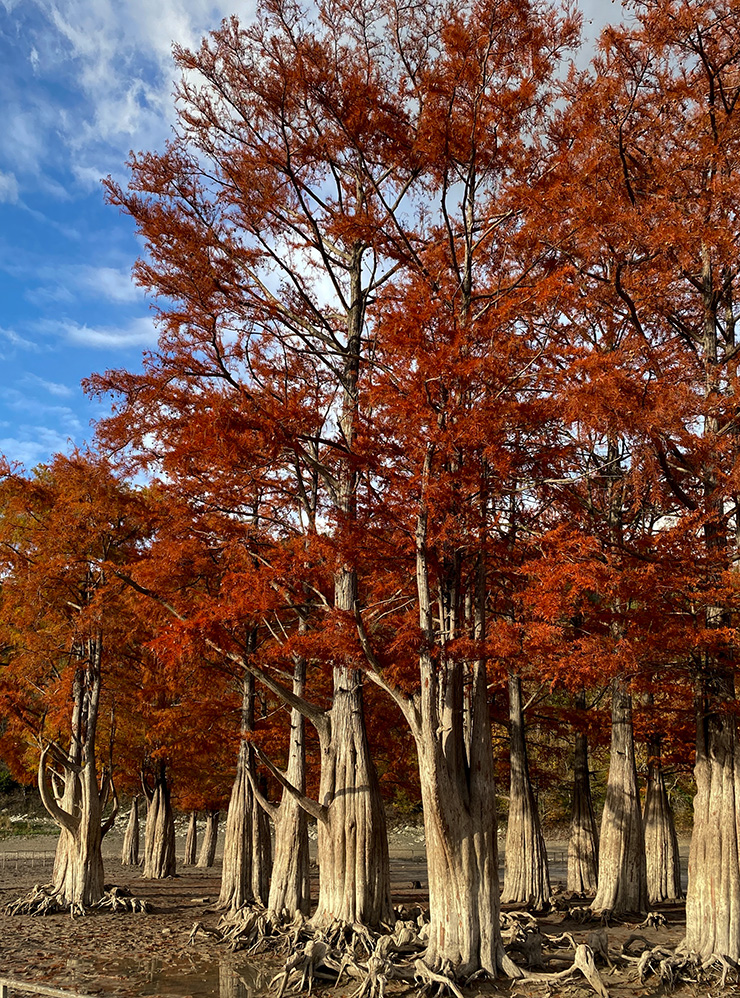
column 680, row 967
column 426, row 978
column 583, row 961
column 121, row 899
column 45, row 899
column 654, row 920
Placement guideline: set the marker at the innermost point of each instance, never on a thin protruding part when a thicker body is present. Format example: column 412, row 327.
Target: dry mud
column 147, row 954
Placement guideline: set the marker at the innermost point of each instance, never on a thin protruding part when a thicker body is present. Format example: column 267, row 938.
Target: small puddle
column 188, row 977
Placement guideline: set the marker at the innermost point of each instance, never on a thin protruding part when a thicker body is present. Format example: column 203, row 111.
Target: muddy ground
column 148, row 954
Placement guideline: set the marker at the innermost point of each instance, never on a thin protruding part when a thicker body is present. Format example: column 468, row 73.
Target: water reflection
column 188, row 976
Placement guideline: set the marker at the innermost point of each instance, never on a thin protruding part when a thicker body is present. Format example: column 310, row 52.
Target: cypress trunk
column 130, row 848
column 191, row 841
column 526, row 873
column 247, row 860
column 159, row 835
column 210, row 838
column 661, row 842
column 290, row 887
column 713, row 895
column 583, row 840
column 622, row 885
column 352, row 840
column 76, row 802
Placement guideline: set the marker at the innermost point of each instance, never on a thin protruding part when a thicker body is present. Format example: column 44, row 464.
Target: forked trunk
column 78, row 877
column 459, row 803
column 159, row 837
column 526, row 873
column 622, row 885
column 583, row 840
column 76, row 802
column 130, row 848
column 290, row 887
column 191, row 841
column 661, row 842
column 354, row 873
column 246, row 862
column 208, row 848
column 713, row 895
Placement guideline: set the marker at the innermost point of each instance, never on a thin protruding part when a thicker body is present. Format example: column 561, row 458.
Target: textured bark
column 76, row 800
column 130, row 848
column 290, row 886
column 247, row 860
column 454, row 748
column 661, row 842
column 159, row 837
column 236, row 876
column 77, row 875
column 583, row 840
column 191, row 841
column 210, row 839
column 352, row 840
column 622, row 885
column 458, row 797
column 713, row 895
column 526, row 873
column 261, row 850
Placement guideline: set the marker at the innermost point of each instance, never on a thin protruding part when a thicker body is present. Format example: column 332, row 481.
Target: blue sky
column 84, row 82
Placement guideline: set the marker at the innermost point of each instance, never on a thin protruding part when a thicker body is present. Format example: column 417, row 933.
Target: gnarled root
column 45, row 899
column 121, row 899
column 583, row 961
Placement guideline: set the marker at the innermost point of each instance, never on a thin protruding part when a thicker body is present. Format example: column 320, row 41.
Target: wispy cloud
column 13, row 339
column 139, row 332
column 8, row 188
column 54, row 388
column 113, row 59
column 82, row 281
column 32, row 443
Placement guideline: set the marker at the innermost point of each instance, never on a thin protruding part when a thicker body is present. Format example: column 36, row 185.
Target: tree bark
column 526, row 873
column 352, row 840
column 458, row 798
column 583, row 840
column 210, row 839
column 290, row 889
column 261, row 849
column 236, row 876
column 159, row 836
column 247, row 860
column 622, row 885
column 130, row 849
column 454, row 749
column 76, row 802
column 713, row 895
column 661, row 841
column 191, row 841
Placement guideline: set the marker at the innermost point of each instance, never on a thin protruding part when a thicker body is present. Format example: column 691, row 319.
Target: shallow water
column 189, row 977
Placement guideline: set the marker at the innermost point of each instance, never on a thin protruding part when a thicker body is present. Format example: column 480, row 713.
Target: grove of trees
column 443, row 422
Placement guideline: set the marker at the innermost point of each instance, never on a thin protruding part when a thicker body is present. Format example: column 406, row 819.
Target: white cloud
column 32, row 444
column 75, row 281
column 8, row 188
column 50, row 387
column 64, row 418
column 136, row 333
column 14, row 339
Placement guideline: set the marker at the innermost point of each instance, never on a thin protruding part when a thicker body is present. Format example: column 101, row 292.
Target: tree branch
column 319, row 811
column 63, row 818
